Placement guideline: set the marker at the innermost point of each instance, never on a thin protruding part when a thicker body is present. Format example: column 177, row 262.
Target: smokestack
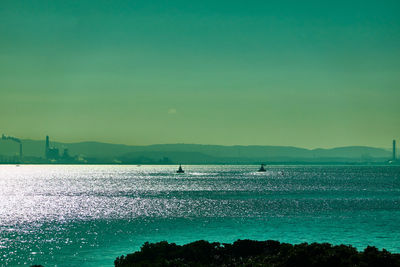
column 47, row 147
column 394, row 150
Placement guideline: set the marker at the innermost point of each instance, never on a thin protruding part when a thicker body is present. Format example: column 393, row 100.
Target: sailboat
column 262, row 169
column 180, row 170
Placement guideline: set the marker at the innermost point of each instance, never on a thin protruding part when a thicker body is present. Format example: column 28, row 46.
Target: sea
column 87, row 215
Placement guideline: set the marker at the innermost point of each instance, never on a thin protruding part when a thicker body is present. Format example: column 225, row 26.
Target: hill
column 199, row 154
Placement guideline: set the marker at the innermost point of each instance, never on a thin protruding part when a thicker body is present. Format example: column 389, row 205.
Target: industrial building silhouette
column 53, row 153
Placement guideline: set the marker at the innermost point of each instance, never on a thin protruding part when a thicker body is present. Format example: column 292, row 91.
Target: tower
column 394, row 150
column 47, row 147
column 20, row 151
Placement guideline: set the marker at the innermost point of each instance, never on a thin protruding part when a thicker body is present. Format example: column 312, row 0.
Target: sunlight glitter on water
column 49, row 213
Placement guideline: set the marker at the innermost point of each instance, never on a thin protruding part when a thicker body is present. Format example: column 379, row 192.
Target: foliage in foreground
column 256, row 253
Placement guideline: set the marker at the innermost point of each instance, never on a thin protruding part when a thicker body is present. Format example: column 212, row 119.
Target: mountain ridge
column 199, row 153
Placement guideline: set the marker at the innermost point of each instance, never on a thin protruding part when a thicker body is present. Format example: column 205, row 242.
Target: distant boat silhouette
column 262, row 169
column 180, row 170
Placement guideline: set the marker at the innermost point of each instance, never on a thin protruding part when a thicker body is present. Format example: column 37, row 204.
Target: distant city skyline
column 307, row 74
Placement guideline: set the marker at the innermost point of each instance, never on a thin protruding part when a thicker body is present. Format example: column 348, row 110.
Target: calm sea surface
column 89, row 215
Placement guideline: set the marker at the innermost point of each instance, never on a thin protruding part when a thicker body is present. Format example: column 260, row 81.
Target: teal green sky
column 296, row 73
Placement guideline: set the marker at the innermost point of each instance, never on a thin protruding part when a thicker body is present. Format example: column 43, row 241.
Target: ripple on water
column 74, row 214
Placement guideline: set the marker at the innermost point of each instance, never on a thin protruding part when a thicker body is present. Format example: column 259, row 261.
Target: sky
column 291, row 73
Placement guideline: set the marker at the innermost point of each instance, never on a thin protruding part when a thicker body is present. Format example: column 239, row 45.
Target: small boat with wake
column 262, row 169
column 180, row 170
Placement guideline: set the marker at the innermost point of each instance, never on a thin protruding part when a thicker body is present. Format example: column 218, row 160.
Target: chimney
column 47, row 147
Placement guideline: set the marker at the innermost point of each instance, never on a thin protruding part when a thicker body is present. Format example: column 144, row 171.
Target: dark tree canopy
column 257, row 253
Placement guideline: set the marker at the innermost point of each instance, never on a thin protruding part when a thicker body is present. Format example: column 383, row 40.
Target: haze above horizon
column 310, row 74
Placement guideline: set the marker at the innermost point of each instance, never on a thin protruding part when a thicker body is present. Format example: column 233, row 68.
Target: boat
column 262, row 169
column 180, row 170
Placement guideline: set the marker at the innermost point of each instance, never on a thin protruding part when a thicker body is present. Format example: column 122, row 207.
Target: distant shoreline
column 34, row 152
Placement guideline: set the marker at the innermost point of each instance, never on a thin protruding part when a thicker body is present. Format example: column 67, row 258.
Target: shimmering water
column 89, row 215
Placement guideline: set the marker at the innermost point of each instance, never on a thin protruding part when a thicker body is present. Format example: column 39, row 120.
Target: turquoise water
column 89, row 215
